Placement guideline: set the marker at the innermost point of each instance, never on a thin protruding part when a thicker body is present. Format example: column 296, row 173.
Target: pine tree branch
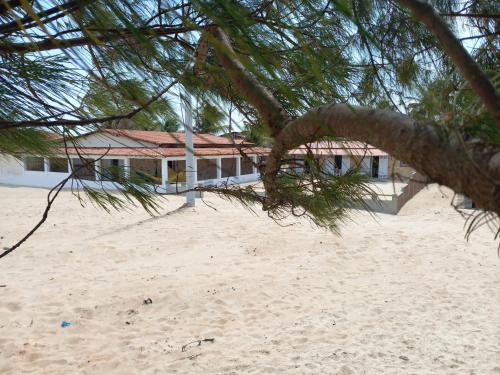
column 6, row 6
column 82, row 122
column 472, row 15
column 51, row 43
column 45, row 16
column 470, row 70
column 270, row 110
column 486, row 35
column 471, row 169
column 51, row 197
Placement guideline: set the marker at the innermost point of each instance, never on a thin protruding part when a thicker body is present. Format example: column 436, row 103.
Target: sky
column 80, row 63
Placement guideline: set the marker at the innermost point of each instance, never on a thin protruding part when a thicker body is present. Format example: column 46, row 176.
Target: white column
column 219, row 168
column 46, row 165
column 238, row 166
column 164, row 172
column 126, row 167
column 97, row 168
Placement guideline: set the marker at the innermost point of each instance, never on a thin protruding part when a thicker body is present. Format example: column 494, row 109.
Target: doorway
column 375, row 164
column 338, row 165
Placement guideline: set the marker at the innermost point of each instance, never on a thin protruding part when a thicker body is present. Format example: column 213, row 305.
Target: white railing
column 392, row 203
column 416, row 183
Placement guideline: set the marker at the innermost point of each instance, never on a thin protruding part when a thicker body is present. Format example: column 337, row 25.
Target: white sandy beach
column 399, row 294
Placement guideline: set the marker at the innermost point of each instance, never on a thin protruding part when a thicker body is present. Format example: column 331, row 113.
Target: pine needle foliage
column 323, row 198
column 77, row 66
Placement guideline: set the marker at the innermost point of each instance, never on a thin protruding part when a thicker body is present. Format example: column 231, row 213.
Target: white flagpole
column 190, row 162
column 188, row 130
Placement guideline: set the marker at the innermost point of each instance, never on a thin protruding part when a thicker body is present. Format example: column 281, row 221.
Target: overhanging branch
column 82, row 122
column 101, row 36
column 270, row 110
column 472, row 169
column 471, row 71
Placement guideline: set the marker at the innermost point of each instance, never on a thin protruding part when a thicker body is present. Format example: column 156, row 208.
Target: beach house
column 337, row 157
column 160, row 156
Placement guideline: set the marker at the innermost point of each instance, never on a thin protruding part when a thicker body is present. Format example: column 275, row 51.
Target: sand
column 399, row 294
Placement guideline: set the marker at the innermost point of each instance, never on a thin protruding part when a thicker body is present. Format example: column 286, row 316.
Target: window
column 148, row 169
column 375, row 166
column 112, row 169
column 176, row 171
column 59, row 165
column 206, row 169
column 338, row 162
column 32, row 163
column 247, row 165
column 82, row 172
column 228, row 167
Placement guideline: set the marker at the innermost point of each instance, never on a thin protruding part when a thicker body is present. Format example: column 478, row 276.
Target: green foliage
column 209, row 119
column 31, row 86
column 306, row 52
column 257, row 133
column 452, row 105
column 323, row 198
column 19, row 142
column 123, row 97
column 132, row 189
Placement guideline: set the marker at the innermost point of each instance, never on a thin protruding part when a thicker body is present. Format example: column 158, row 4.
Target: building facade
column 159, row 156
column 336, row 158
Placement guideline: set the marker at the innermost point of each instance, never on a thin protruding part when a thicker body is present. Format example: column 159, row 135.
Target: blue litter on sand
column 65, row 324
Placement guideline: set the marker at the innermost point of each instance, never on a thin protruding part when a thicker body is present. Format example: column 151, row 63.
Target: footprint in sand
column 84, row 313
column 12, row 306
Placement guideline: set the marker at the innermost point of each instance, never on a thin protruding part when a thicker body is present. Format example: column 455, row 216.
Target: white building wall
column 383, row 167
column 346, row 164
column 219, row 167
column 10, row 166
column 366, row 165
column 12, row 172
column 328, row 165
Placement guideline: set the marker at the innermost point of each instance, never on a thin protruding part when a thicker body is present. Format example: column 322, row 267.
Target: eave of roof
column 338, row 148
column 161, row 152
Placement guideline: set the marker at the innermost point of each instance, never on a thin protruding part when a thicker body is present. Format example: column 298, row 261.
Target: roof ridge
column 158, row 131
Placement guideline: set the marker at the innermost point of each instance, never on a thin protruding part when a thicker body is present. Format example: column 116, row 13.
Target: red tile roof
column 160, row 152
column 170, row 138
column 338, row 148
